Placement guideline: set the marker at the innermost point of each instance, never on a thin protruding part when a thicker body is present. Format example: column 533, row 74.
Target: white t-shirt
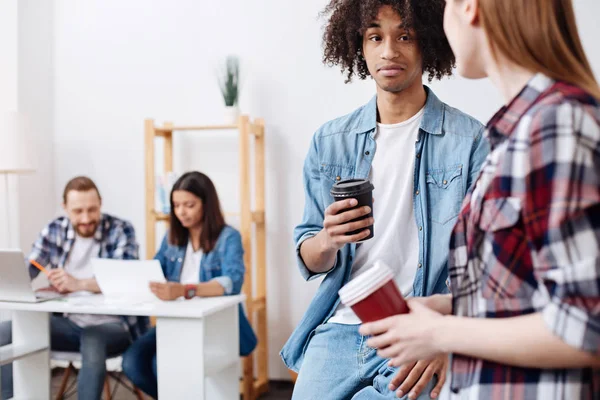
column 190, row 272
column 396, row 240
column 78, row 266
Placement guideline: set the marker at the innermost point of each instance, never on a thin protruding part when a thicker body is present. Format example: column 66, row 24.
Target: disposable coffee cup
column 373, row 295
column 362, row 191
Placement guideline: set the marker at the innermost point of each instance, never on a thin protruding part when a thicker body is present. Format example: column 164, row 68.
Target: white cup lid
column 366, row 283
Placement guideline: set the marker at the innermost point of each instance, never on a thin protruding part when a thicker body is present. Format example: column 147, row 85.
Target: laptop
column 15, row 284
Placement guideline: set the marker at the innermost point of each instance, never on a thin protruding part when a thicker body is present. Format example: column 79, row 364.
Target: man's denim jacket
column 448, row 154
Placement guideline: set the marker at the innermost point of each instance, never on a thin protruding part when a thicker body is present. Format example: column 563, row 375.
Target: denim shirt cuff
column 306, row 273
column 226, row 282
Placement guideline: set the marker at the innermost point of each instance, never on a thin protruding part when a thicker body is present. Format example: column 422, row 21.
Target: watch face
column 190, row 293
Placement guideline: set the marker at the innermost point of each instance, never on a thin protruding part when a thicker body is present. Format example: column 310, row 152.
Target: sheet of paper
column 127, row 280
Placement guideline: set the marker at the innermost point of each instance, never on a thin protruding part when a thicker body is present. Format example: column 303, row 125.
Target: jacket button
column 418, row 155
column 420, row 265
column 417, row 192
column 445, row 182
column 338, row 178
column 367, row 153
column 420, row 228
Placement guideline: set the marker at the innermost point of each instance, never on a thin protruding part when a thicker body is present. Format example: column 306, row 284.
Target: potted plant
column 229, row 83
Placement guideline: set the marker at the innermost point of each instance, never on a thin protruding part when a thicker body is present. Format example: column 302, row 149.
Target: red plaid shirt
column 528, row 240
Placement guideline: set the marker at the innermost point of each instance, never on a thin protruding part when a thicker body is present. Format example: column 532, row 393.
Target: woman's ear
column 471, row 10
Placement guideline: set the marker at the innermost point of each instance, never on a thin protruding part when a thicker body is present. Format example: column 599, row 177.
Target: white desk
column 197, row 344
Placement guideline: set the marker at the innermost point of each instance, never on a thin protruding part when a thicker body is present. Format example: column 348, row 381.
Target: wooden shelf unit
column 256, row 304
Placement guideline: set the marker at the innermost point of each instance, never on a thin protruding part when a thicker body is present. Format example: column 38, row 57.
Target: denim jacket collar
column 432, row 118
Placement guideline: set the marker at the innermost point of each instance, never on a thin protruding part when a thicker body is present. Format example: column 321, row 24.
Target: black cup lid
column 351, row 187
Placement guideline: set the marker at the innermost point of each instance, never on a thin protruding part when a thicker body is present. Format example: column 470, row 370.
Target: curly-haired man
column 420, row 154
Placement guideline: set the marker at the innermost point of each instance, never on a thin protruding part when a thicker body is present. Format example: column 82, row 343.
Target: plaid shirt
column 115, row 236
column 528, row 240
column 117, row 241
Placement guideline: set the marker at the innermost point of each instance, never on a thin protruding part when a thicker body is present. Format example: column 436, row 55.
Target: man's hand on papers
column 63, row 282
column 167, row 291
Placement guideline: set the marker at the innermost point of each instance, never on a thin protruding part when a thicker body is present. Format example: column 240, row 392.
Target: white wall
column 26, row 82
column 35, row 86
column 25, row 79
column 8, row 92
column 116, row 63
column 586, row 12
column 9, row 45
column 8, row 48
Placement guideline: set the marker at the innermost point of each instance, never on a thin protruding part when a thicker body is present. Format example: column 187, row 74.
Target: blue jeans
column 139, row 363
column 338, row 365
column 95, row 343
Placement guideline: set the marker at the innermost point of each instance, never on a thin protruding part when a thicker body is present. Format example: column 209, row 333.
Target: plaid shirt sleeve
column 126, row 247
column 561, row 211
column 44, row 249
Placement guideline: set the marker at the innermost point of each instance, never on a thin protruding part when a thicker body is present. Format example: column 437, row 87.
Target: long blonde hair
column 541, row 36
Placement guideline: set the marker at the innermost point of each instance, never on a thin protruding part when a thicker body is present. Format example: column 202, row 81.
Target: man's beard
column 86, row 233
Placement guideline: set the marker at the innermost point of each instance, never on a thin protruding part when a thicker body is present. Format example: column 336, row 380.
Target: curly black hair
column 349, row 19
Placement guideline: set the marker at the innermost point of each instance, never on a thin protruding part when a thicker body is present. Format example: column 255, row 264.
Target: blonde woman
column 523, row 320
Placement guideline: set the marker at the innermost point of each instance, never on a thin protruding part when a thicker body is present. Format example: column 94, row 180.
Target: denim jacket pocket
column 332, row 173
column 335, row 173
column 444, row 193
column 173, row 260
column 212, row 266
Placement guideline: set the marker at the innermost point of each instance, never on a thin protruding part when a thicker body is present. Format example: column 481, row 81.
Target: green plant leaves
column 229, row 81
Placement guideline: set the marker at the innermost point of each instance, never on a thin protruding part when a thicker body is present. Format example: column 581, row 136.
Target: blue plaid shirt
column 117, row 241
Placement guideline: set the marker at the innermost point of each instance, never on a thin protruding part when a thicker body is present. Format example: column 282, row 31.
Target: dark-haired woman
column 200, row 256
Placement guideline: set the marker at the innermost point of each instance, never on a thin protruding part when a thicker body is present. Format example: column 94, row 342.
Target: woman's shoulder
column 228, row 238
column 229, row 231
column 564, row 111
column 563, row 101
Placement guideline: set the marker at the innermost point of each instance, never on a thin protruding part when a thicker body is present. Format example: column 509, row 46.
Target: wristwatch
column 190, row 291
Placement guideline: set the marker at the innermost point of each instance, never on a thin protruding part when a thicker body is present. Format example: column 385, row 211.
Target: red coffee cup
column 373, row 295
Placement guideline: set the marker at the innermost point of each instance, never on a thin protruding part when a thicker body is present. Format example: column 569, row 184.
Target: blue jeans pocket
column 383, row 378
